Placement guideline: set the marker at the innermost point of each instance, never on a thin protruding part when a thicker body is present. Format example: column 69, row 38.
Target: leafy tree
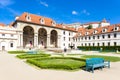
column 89, row 27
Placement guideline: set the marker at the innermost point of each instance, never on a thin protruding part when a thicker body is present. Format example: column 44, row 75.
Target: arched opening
column 42, row 38
column 28, row 37
column 53, row 38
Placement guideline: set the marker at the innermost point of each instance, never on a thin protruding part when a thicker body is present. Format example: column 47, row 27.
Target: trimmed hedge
column 98, row 48
column 16, row 52
column 108, row 58
column 26, row 56
column 66, row 63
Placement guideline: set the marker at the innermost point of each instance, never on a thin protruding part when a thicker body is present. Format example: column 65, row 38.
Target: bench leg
column 108, row 64
column 92, row 70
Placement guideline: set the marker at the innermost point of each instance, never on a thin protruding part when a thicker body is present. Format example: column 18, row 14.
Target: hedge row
column 16, row 52
column 107, row 58
column 26, row 56
column 58, row 63
column 100, row 48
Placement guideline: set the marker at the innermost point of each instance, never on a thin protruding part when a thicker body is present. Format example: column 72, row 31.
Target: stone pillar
column 48, row 40
column 36, row 40
column 59, row 41
column 20, row 40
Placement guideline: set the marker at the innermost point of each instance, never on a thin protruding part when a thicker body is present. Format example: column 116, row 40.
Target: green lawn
column 58, row 63
column 108, row 58
column 26, row 56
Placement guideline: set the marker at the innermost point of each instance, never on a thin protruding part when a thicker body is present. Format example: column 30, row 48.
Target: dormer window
column 86, row 33
column 80, row 34
column 64, row 26
column 53, row 23
column 116, row 28
column 28, row 18
column 42, row 21
column 95, row 31
column 104, row 30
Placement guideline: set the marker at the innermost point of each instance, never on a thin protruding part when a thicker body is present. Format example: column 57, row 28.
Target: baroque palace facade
column 30, row 31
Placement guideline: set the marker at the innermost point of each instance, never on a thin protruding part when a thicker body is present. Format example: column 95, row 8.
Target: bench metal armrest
column 107, row 63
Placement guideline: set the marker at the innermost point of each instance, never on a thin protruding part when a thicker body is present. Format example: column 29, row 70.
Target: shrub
column 108, row 58
column 26, row 56
column 58, row 63
column 98, row 48
column 16, row 52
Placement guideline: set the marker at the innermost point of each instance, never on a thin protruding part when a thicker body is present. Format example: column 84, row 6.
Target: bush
column 26, row 56
column 16, row 52
column 108, row 58
column 98, row 48
column 58, row 63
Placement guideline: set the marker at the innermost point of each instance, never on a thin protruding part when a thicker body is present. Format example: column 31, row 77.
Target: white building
column 8, row 38
column 95, row 24
column 102, row 36
column 30, row 31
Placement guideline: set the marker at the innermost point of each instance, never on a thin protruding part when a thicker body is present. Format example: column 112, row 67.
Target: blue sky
column 62, row 11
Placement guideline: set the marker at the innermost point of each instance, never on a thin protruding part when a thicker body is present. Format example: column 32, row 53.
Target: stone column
column 20, row 40
column 48, row 40
column 35, row 40
column 59, row 41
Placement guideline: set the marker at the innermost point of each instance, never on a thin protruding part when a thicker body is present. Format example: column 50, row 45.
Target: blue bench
column 93, row 63
column 32, row 52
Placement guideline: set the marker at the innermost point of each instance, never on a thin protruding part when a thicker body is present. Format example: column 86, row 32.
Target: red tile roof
column 1, row 24
column 109, row 29
column 35, row 19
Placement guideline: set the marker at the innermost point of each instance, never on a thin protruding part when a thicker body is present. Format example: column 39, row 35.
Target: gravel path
column 12, row 68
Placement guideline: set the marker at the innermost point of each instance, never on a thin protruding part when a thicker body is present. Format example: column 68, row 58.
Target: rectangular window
column 103, row 36
column 11, row 35
column 93, row 44
column 89, row 44
column 81, row 38
column 73, row 39
column 64, row 38
column 76, row 39
column 69, row 38
column 11, row 44
column 103, row 44
column 64, row 32
column 3, row 34
column 82, row 44
column 89, row 38
column 64, row 44
column 108, row 35
column 108, row 43
column 69, row 33
column 98, row 44
column 85, row 44
column 115, row 35
column 98, row 37
column 115, row 43
column 93, row 37
column 85, row 38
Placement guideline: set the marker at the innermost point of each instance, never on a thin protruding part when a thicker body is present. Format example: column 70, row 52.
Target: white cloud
column 6, row 2
column 85, row 12
column 14, row 12
column 44, row 4
column 74, row 12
